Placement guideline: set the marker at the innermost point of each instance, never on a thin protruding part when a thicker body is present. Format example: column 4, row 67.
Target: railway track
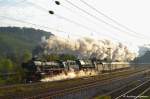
column 80, row 84
column 53, row 94
column 145, row 92
column 139, row 89
column 40, row 83
column 80, row 78
column 137, row 92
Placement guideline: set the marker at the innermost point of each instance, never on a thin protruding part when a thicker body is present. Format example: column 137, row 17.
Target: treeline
column 14, row 40
column 143, row 59
column 11, row 71
column 55, row 57
column 16, row 46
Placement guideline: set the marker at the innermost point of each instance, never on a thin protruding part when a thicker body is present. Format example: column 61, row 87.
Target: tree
column 27, row 55
column 6, row 66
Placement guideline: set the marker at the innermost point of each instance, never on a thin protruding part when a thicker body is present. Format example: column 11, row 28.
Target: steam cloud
column 70, row 75
column 87, row 48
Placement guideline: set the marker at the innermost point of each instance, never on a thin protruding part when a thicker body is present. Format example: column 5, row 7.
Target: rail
column 76, row 84
column 130, row 92
column 82, row 87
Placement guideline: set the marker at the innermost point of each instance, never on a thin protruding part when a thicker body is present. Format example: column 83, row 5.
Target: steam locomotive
column 35, row 69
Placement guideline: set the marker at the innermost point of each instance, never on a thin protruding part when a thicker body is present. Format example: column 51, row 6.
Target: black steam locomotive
column 36, row 69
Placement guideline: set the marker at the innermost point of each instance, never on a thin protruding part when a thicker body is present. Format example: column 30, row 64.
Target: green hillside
column 16, row 40
column 16, row 46
column 144, row 58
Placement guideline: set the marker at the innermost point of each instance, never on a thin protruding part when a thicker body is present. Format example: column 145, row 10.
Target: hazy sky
column 132, row 13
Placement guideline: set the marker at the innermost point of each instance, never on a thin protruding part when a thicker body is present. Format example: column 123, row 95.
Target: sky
column 133, row 14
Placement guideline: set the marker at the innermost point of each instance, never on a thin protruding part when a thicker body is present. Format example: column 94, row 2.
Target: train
column 36, row 69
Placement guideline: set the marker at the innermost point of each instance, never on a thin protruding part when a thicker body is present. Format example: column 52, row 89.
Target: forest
column 16, row 46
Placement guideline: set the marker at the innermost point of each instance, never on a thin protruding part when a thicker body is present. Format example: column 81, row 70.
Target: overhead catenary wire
column 46, row 10
column 81, row 25
column 78, row 24
column 69, row 20
column 80, row 15
column 95, row 17
column 64, row 18
column 22, row 21
column 103, row 21
column 37, row 25
column 113, row 20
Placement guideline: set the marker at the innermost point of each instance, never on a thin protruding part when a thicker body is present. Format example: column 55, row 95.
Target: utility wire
column 21, row 21
column 69, row 20
column 95, row 17
column 100, row 20
column 44, row 9
column 81, row 15
column 37, row 25
column 74, row 12
column 116, row 22
column 76, row 23
column 64, row 18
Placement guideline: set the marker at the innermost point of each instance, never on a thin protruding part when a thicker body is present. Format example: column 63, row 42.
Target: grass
column 103, row 97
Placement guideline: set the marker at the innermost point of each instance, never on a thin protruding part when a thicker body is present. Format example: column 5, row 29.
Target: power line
column 74, row 12
column 40, row 7
column 21, row 21
column 95, row 17
column 64, row 18
column 71, row 21
column 67, row 19
column 100, row 20
column 74, row 22
column 116, row 22
column 37, row 25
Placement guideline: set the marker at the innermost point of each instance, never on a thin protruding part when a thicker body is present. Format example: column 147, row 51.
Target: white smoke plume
column 87, row 48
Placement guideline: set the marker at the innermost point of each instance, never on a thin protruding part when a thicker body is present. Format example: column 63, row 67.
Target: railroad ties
column 139, row 89
column 92, row 89
column 82, row 88
column 137, row 92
